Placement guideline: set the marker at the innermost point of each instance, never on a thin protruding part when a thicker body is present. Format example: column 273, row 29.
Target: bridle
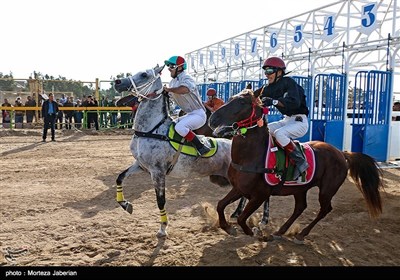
column 143, row 91
column 241, row 127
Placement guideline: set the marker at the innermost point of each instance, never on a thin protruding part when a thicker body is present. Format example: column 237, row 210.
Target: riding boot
column 200, row 146
column 296, row 155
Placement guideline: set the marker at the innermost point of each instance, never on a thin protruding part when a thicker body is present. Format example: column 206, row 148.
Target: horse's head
column 142, row 83
column 242, row 110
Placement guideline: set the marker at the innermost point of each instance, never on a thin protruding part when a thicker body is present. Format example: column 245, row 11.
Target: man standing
column 49, row 113
column 30, row 113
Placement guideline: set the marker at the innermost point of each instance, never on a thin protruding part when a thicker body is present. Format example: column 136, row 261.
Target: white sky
column 84, row 40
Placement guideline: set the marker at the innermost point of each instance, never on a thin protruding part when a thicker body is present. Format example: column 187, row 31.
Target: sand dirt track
column 58, row 202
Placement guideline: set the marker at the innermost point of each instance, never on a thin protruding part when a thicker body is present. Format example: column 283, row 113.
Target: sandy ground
column 58, row 208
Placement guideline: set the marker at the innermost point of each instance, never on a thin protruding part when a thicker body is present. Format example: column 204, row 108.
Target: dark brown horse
column 241, row 116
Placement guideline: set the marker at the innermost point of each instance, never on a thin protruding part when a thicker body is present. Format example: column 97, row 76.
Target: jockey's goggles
column 270, row 71
column 173, row 66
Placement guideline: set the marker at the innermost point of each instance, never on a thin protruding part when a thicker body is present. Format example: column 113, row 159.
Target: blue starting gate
column 305, row 82
column 371, row 113
column 202, row 90
column 327, row 109
column 245, row 83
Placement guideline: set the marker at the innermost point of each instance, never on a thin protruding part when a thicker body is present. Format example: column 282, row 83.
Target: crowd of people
column 67, row 118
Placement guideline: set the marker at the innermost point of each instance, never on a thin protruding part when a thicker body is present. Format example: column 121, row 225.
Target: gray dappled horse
column 151, row 149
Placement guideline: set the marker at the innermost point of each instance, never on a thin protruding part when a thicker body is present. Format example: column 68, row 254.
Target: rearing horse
column 243, row 116
column 151, row 148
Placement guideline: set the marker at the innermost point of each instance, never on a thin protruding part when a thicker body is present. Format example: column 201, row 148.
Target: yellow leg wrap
column 120, row 195
column 163, row 216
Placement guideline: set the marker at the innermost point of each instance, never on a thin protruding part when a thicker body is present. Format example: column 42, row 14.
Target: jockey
column 213, row 102
column 289, row 98
column 183, row 90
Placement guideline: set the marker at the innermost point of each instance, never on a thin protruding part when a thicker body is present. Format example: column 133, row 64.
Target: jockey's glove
column 267, row 101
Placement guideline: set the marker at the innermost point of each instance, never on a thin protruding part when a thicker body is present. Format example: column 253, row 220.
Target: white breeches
column 288, row 128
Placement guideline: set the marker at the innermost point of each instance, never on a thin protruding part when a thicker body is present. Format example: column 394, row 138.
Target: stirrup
column 203, row 150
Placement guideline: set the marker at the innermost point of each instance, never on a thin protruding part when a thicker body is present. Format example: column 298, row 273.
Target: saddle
column 277, row 159
column 175, row 140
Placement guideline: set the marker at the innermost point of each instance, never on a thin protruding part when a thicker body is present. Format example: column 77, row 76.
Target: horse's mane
column 247, row 92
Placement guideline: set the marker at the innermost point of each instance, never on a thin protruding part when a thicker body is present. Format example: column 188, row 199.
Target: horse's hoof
column 127, row 206
column 231, row 231
column 161, row 234
column 256, row 231
column 276, row 236
column 262, row 225
column 298, row 241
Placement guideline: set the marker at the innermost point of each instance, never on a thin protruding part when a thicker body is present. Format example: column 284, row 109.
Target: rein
column 150, row 133
column 250, row 121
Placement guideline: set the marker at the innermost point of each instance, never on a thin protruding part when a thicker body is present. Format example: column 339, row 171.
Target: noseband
column 143, row 91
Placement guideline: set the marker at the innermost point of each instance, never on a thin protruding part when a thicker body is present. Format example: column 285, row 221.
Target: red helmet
column 211, row 92
column 274, row 62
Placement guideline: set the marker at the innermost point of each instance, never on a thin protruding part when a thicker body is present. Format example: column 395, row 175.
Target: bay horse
column 152, row 149
column 243, row 116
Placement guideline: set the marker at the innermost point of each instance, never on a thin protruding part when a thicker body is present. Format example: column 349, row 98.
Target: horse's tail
column 368, row 179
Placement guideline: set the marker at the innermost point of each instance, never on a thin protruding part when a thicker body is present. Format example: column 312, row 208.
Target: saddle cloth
column 188, row 148
column 277, row 159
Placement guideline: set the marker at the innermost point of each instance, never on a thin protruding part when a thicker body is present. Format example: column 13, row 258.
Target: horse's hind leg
column 126, row 205
column 232, row 196
column 326, row 207
column 300, row 206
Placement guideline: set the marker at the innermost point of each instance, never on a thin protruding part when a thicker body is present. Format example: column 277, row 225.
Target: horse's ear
column 158, row 69
column 257, row 92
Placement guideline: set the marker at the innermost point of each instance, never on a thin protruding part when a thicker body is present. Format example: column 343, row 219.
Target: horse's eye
column 144, row 75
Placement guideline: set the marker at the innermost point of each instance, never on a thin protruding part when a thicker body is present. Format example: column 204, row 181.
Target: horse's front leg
column 133, row 169
column 232, row 196
column 159, row 186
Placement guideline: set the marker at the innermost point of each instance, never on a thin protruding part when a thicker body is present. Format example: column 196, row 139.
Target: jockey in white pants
column 289, row 98
column 183, row 90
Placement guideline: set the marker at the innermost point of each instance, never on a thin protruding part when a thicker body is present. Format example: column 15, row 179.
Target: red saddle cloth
column 271, row 162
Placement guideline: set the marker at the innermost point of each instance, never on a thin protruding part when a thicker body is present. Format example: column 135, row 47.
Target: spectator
column 396, row 108
column 69, row 113
column 49, row 113
column 92, row 116
column 6, row 115
column 19, row 114
column 30, row 102
column 103, row 115
column 60, row 115
column 63, row 99
column 78, row 115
